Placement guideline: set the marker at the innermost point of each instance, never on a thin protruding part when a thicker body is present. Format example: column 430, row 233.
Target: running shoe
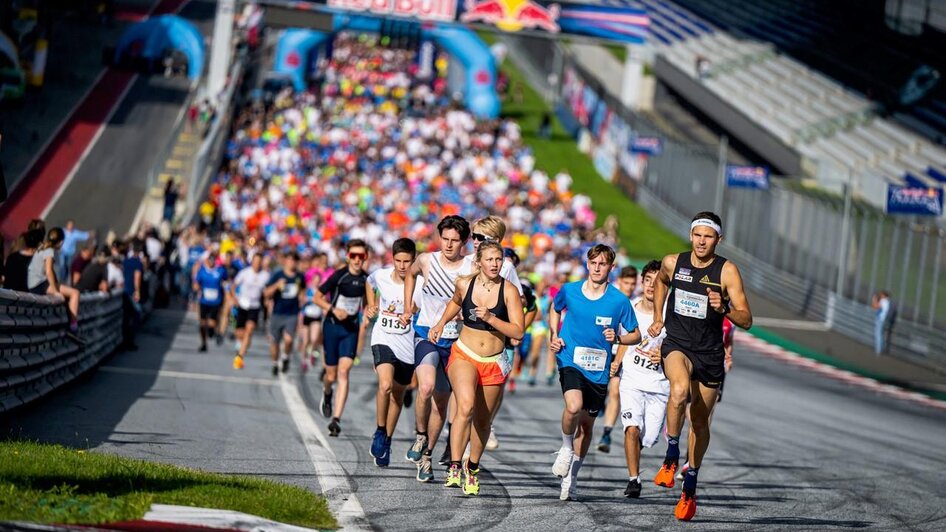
column 453, row 477
column 683, row 470
column 604, row 445
column 305, row 366
column 549, row 379
column 445, row 457
column 532, row 381
column 275, row 370
column 471, row 482
column 334, row 428
column 512, row 388
column 424, row 470
column 326, row 404
column 315, row 356
column 416, row 452
column 377, row 443
column 357, row 361
column 285, row 365
column 569, row 489
column 665, row 475
column 492, row 443
column 384, row 457
column 633, row 489
column 202, row 348
column 237, row 362
column 686, row 506
column 563, row 462
column 219, row 340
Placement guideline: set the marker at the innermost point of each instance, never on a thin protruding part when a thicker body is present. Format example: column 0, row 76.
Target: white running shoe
column 563, row 462
column 569, row 489
column 492, row 443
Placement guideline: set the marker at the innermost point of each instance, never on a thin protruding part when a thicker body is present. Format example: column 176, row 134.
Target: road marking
column 186, row 375
column 332, row 477
column 801, row 325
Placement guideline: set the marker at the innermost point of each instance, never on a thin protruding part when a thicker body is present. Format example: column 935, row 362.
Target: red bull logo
column 512, row 15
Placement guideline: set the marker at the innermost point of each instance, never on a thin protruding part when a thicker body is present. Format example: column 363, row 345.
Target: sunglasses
column 357, row 256
column 479, row 237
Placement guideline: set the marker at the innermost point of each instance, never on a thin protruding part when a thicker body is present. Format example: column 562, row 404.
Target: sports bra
column 469, row 308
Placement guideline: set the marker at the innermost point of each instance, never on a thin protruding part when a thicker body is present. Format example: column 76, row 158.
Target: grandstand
column 750, row 52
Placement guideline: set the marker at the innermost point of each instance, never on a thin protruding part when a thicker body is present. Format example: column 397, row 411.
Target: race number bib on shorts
column 211, row 293
column 590, row 359
column 351, row 305
column 690, row 305
column 391, row 323
column 313, row 311
column 505, row 364
column 290, row 291
column 451, row 331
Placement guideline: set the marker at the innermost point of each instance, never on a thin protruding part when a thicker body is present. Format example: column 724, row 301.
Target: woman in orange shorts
column 478, row 367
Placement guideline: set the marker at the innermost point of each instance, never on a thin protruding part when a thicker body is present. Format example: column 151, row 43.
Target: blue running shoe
column 377, row 443
column 605, row 444
column 384, row 457
column 417, row 449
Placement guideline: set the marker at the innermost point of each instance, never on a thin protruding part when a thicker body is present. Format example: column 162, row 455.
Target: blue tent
column 157, row 34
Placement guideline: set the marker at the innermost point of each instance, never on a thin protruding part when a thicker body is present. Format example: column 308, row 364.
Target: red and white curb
column 784, row 355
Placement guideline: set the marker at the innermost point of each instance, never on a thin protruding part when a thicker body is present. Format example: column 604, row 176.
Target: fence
column 37, row 356
column 789, row 240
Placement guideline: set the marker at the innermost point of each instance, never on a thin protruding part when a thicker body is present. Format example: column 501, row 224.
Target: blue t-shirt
column 129, row 266
column 211, row 281
column 286, row 301
column 583, row 327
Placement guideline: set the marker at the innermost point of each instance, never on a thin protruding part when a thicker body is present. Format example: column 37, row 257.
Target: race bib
column 590, row 359
column 451, row 331
column 643, row 351
column 391, row 323
column 290, row 291
column 312, row 311
column 690, row 305
column 351, row 305
column 211, row 294
column 505, row 362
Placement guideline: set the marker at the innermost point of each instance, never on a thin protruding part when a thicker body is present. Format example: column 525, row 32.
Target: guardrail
column 36, row 356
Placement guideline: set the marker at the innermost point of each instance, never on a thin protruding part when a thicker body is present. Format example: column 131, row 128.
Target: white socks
column 568, row 440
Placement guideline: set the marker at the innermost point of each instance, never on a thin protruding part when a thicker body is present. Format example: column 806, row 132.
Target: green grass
column 54, row 484
column 642, row 236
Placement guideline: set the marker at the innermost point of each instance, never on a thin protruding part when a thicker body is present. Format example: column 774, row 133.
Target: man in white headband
column 703, row 289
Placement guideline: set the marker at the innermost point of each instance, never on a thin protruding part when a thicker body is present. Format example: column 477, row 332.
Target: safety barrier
column 36, row 355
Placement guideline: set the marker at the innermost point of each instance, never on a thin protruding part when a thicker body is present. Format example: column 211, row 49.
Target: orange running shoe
column 665, row 475
column 238, row 362
column 686, row 506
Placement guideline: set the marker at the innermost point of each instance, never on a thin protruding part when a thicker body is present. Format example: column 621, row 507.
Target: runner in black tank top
column 703, row 289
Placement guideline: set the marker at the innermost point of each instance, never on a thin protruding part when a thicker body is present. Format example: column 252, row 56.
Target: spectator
column 72, row 237
column 171, row 193
column 79, row 263
column 703, row 67
column 545, row 128
column 133, row 273
column 95, row 275
column 883, row 320
column 42, row 280
column 18, row 262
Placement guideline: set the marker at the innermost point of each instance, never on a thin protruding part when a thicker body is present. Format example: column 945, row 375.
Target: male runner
column 286, row 288
column 644, row 387
column 392, row 344
column 250, row 283
column 341, row 297
column 440, row 270
column 627, row 284
column 703, row 288
column 595, row 310
column 208, row 283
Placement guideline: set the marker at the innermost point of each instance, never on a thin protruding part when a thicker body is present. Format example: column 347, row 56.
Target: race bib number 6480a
column 690, row 305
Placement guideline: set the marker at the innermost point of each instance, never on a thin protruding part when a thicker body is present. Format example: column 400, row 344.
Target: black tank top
column 690, row 320
column 468, row 308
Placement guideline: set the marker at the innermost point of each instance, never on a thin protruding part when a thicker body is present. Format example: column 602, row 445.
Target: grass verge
column 53, row 484
column 642, row 236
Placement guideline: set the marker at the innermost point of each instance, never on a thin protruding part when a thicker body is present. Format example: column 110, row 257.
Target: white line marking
column 185, row 375
column 801, row 325
column 332, row 477
column 210, row 518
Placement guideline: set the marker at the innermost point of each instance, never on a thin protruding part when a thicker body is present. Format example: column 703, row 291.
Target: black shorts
column 209, row 312
column 244, row 315
column 708, row 368
column 403, row 372
column 306, row 321
column 592, row 395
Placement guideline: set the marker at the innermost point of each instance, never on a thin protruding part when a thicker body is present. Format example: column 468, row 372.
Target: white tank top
column 439, row 285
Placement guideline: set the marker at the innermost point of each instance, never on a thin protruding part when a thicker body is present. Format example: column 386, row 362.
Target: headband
column 705, row 222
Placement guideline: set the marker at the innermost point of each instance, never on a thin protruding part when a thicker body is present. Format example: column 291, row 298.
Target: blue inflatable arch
column 158, row 34
column 479, row 92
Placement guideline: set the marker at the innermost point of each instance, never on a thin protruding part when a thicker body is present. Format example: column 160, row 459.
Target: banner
column 648, row 145
column 747, row 176
column 919, row 201
column 617, row 23
column 440, row 10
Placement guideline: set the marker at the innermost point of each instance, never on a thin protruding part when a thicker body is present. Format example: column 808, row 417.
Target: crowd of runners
column 342, row 221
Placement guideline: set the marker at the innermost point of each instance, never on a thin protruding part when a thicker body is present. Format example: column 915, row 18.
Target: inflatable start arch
column 150, row 39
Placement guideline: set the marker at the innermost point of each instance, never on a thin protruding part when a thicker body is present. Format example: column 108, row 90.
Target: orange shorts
column 491, row 370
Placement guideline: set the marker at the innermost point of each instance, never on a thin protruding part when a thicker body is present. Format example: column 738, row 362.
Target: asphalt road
column 790, row 449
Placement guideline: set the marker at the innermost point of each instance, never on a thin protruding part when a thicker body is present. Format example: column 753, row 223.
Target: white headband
column 705, row 222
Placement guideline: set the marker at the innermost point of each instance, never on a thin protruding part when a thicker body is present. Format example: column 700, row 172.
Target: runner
column 703, row 288
column 627, row 284
column 285, row 288
column 208, row 283
column 341, row 297
column 311, row 325
column 440, row 270
column 247, row 289
column 595, row 310
column 478, row 366
column 522, row 348
column 537, row 333
column 392, row 344
column 644, row 388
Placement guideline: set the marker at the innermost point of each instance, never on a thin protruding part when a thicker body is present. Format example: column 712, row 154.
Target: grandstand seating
column 836, row 129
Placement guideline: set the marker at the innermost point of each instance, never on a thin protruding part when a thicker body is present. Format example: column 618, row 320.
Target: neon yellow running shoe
column 471, row 482
column 453, row 477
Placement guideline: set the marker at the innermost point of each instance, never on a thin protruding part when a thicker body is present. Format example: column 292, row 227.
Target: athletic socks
column 673, row 447
column 568, row 440
column 455, row 463
column 424, row 434
column 576, row 465
column 607, row 430
column 633, row 479
column 472, row 466
column 689, row 480
column 382, row 429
